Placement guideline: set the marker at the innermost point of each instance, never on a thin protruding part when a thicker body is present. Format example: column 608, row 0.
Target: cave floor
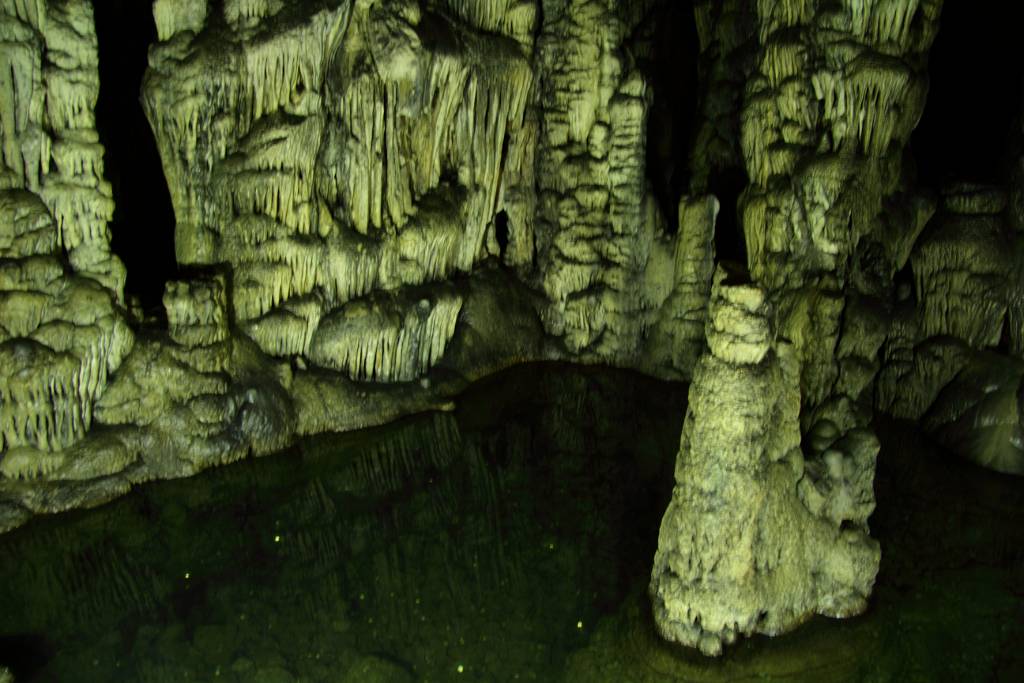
column 510, row 539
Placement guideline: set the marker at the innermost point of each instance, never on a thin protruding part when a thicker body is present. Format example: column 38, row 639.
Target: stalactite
column 384, row 339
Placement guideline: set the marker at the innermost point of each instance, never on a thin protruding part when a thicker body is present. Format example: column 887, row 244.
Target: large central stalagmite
column 756, row 538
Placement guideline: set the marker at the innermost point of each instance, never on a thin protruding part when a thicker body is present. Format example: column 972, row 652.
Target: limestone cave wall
column 377, row 202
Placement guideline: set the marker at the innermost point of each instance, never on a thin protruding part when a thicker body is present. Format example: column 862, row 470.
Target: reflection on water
column 508, row 540
column 488, row 540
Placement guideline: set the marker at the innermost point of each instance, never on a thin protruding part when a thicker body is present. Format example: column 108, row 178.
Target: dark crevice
column 1005, row 345
column 501, row 229
column 730, row 244
column 667, row 50
column 142, row 229
column 974, row 97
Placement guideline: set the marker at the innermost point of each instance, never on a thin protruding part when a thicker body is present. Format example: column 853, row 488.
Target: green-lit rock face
column 378, row 202
column 333, row 151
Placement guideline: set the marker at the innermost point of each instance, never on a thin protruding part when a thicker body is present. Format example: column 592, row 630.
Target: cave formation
column 227, row 226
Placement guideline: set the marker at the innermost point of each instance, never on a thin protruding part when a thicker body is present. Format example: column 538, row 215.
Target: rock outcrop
column 340, row 154
column 837, row 91
column 952, row 357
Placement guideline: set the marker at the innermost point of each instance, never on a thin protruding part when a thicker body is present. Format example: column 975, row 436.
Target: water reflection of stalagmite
column 436, row 476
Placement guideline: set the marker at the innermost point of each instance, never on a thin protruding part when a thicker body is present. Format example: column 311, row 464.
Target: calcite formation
column 832, row 93
column 596, row 236
column 387, row 340
column 726, row 31
column 758, row 537
column 962, row 268
column 50, row 144
column 679, row 332
column 836, row 93
column 332, row 153
column 361, row 148
column 62, row 331
column 978, row 412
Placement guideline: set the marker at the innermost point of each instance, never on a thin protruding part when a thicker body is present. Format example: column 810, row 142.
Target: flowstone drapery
column 361, row 148
column 376, row 202
column 370, row 147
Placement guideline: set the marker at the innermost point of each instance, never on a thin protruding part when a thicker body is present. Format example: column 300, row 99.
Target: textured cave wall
column 727, row 36
column 596, row 227
column 348, row 159
column 829, row 216
column 953, row 359
column 62, row 330
column 622, row 286
column 826, row 118
column 341, row 158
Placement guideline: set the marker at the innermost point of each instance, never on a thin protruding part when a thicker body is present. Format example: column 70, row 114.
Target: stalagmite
column 197, row 311
column 756, row 538
column 828, row 107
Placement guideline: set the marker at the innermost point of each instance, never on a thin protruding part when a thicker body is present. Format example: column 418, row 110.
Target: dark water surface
column 508, row 540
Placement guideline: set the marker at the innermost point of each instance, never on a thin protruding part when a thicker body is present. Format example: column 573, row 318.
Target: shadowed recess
column 667, row 53
column 974, row 96
column 143, row 226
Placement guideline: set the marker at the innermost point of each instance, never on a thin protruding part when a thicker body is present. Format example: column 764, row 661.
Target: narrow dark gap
column 727, row 185
column 667, row 50
column 505, row 142
column 974, row 99
column 501, row 232
column 1005, row 345
column 142, row 229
